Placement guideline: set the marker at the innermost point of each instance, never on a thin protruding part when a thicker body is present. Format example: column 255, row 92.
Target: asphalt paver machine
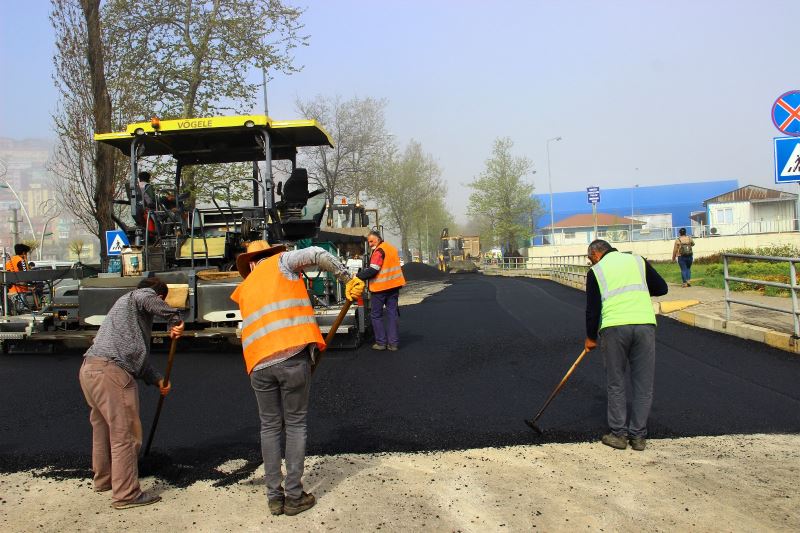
column 193, row 247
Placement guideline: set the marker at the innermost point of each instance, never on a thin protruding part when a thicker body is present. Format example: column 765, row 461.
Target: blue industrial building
column 679, row 199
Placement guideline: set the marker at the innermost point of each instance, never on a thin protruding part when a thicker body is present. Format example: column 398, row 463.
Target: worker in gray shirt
column 111, row 366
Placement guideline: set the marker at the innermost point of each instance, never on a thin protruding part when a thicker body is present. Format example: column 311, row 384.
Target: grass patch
column 711, row 275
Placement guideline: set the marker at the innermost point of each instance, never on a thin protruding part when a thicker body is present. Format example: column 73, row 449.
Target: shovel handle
column 559, row 386
column 173, row 345
column 332, row 333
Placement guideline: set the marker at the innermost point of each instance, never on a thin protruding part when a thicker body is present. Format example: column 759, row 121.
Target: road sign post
column 593, row 196
column 116, row 240
column 787, row 159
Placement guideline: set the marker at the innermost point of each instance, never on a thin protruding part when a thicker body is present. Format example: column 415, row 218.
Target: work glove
column 354, row 289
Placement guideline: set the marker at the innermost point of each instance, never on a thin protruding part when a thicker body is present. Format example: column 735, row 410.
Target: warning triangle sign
column 792, row 167
column 117, row 245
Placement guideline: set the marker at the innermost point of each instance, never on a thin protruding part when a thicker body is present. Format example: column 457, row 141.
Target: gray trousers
column 282, row 394
column 631, row 346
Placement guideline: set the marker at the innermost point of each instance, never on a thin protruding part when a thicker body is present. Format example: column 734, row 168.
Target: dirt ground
column 730, row 483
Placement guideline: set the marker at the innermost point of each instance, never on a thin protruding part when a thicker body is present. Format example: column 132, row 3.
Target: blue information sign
column 786, row 113
column 116, row 240
column 593, row 195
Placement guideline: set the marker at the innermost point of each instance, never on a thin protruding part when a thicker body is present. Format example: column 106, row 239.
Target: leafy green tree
column 168, row 58
column 189, row 58
column 501, row 201
column 404, row 185
column 427, row 225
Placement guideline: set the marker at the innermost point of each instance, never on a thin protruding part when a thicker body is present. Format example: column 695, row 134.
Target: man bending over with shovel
column 618, row 290
column 280, row 340
column 111, row 366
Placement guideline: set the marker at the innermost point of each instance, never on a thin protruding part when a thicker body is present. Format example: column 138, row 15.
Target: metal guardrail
column 568, row 269
column 792, row 286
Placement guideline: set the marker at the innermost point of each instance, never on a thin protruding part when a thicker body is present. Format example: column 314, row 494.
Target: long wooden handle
column 560, row 385
column 332, row 333
column 171, row 357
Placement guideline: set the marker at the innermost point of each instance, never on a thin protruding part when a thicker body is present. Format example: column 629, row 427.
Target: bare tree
column 358, row 129
column 77, row 247
column 80, row 63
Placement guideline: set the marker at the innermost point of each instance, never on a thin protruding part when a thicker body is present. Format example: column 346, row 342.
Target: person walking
column 683, row 251
column 280, row 339
column 618, row 307
column 17, row 292
column 112, row 364
column 385, row 276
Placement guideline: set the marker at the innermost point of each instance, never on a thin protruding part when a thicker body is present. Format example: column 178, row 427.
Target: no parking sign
column 786, row 113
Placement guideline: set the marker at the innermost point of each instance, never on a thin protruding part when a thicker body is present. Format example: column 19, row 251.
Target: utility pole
column 14, row 226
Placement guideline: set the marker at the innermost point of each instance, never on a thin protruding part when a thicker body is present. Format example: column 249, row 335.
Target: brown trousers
column 113, row 396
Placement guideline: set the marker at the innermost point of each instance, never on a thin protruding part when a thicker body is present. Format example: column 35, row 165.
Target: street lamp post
column 7, row 185
column 550, row 185
column 630, row 236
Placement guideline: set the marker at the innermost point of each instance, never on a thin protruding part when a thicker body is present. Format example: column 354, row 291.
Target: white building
column 750, row 209
column 579, row 229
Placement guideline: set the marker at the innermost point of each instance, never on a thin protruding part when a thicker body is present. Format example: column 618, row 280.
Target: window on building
column 569, row 234
column 725, row 216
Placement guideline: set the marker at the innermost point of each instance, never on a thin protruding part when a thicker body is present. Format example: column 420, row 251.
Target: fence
column 567, row 269
column 617, row 234
column 792, row 286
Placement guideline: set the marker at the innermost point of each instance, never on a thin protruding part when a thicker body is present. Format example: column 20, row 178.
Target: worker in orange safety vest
column 385, row 276
column 19, row 263
column 280, row 340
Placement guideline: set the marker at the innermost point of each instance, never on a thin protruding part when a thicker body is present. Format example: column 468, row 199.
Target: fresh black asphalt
column 476, row 359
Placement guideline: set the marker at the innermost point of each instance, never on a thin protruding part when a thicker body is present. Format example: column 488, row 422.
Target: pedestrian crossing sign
column 116, row 240
column 787, row 159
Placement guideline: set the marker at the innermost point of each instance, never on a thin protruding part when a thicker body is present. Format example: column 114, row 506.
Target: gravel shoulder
column 728, row 483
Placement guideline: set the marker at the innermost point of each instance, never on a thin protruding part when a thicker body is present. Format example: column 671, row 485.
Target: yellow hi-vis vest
column 623, row 290
column 391, row 273
column 276, row 314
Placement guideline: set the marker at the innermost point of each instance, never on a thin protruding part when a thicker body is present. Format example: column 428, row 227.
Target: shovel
column 332, row 333
column 532, row 423
column 170, row 358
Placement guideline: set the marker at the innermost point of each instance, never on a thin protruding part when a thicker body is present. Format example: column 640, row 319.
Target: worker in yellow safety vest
column 280, row 340
column 618, row 306
column 385, row 276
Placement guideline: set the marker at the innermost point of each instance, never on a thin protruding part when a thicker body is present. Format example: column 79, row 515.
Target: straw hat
column 256, row 250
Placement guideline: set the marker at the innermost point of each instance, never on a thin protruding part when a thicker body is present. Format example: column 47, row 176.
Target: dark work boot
column 638, row 443
column 295, row 506
column 620, row 442
column 276, row 506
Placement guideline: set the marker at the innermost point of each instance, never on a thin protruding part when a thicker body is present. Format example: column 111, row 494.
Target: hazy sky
column 642, row 92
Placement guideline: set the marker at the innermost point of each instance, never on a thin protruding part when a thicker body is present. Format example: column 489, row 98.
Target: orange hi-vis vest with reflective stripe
column 276, row 314
column 391, row 273
column 11, row 266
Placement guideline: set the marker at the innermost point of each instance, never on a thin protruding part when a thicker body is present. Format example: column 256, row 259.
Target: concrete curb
column 677, row 309
column 776, row 339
